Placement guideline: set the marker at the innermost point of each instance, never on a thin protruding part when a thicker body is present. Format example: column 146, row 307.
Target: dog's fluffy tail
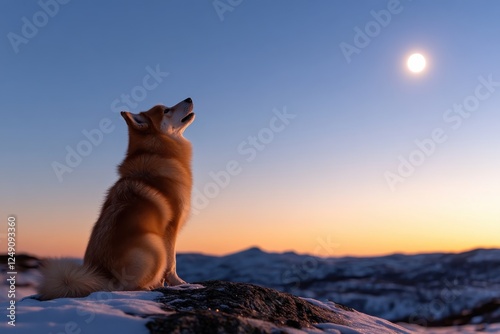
column 65, row 278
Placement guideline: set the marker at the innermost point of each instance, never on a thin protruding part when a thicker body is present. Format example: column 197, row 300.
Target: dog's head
column 170, row 121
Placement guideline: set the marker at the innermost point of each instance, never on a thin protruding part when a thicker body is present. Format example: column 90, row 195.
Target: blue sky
column 321, row 177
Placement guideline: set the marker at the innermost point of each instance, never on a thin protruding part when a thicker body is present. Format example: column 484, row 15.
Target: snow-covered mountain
column 427, row 290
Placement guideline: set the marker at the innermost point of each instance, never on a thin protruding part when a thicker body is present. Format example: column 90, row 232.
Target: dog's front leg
column 171, row 271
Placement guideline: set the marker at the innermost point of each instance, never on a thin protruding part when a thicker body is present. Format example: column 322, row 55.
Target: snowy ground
column 467, row 329
column 118, row 312
column 128, row 312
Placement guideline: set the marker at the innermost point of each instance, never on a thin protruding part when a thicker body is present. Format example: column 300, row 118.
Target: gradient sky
column 318, row 185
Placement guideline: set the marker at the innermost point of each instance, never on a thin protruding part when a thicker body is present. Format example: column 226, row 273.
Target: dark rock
column 226, row 307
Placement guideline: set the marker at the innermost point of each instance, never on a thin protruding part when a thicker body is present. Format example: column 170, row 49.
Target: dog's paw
column 155, row 286
column 174, row 280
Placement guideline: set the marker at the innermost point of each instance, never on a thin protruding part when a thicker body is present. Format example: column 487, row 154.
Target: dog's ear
column 135, row 121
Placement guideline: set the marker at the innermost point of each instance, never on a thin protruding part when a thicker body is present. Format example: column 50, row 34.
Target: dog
column 132, row 244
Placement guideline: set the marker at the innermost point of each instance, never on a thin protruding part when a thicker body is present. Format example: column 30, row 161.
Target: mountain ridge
column 430, row 289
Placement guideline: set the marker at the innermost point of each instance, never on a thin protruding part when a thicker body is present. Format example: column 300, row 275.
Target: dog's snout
column 188, row 100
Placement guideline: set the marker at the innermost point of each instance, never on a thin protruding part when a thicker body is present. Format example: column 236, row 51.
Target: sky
column 311, row 134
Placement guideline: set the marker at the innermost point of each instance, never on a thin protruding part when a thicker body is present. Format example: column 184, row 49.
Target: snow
column 128, row 312
column 187, row 287
column 467, row 329
column 100, row 312
column 359, row 323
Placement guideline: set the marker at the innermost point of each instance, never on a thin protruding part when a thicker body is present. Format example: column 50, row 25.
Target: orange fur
column 132, row 245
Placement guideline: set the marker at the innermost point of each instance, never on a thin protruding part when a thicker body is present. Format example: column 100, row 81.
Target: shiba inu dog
column 132, row 245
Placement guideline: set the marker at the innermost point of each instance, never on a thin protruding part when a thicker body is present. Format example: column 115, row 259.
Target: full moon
column 416, row 63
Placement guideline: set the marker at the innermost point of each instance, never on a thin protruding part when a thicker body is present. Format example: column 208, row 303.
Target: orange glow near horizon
column 368, row 232
column 76, row 249
column 363, row 219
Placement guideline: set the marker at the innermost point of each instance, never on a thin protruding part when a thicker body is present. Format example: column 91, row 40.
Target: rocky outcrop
column 226, row 307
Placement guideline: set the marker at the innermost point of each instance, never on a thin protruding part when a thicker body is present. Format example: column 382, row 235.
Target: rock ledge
column 226, row 307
